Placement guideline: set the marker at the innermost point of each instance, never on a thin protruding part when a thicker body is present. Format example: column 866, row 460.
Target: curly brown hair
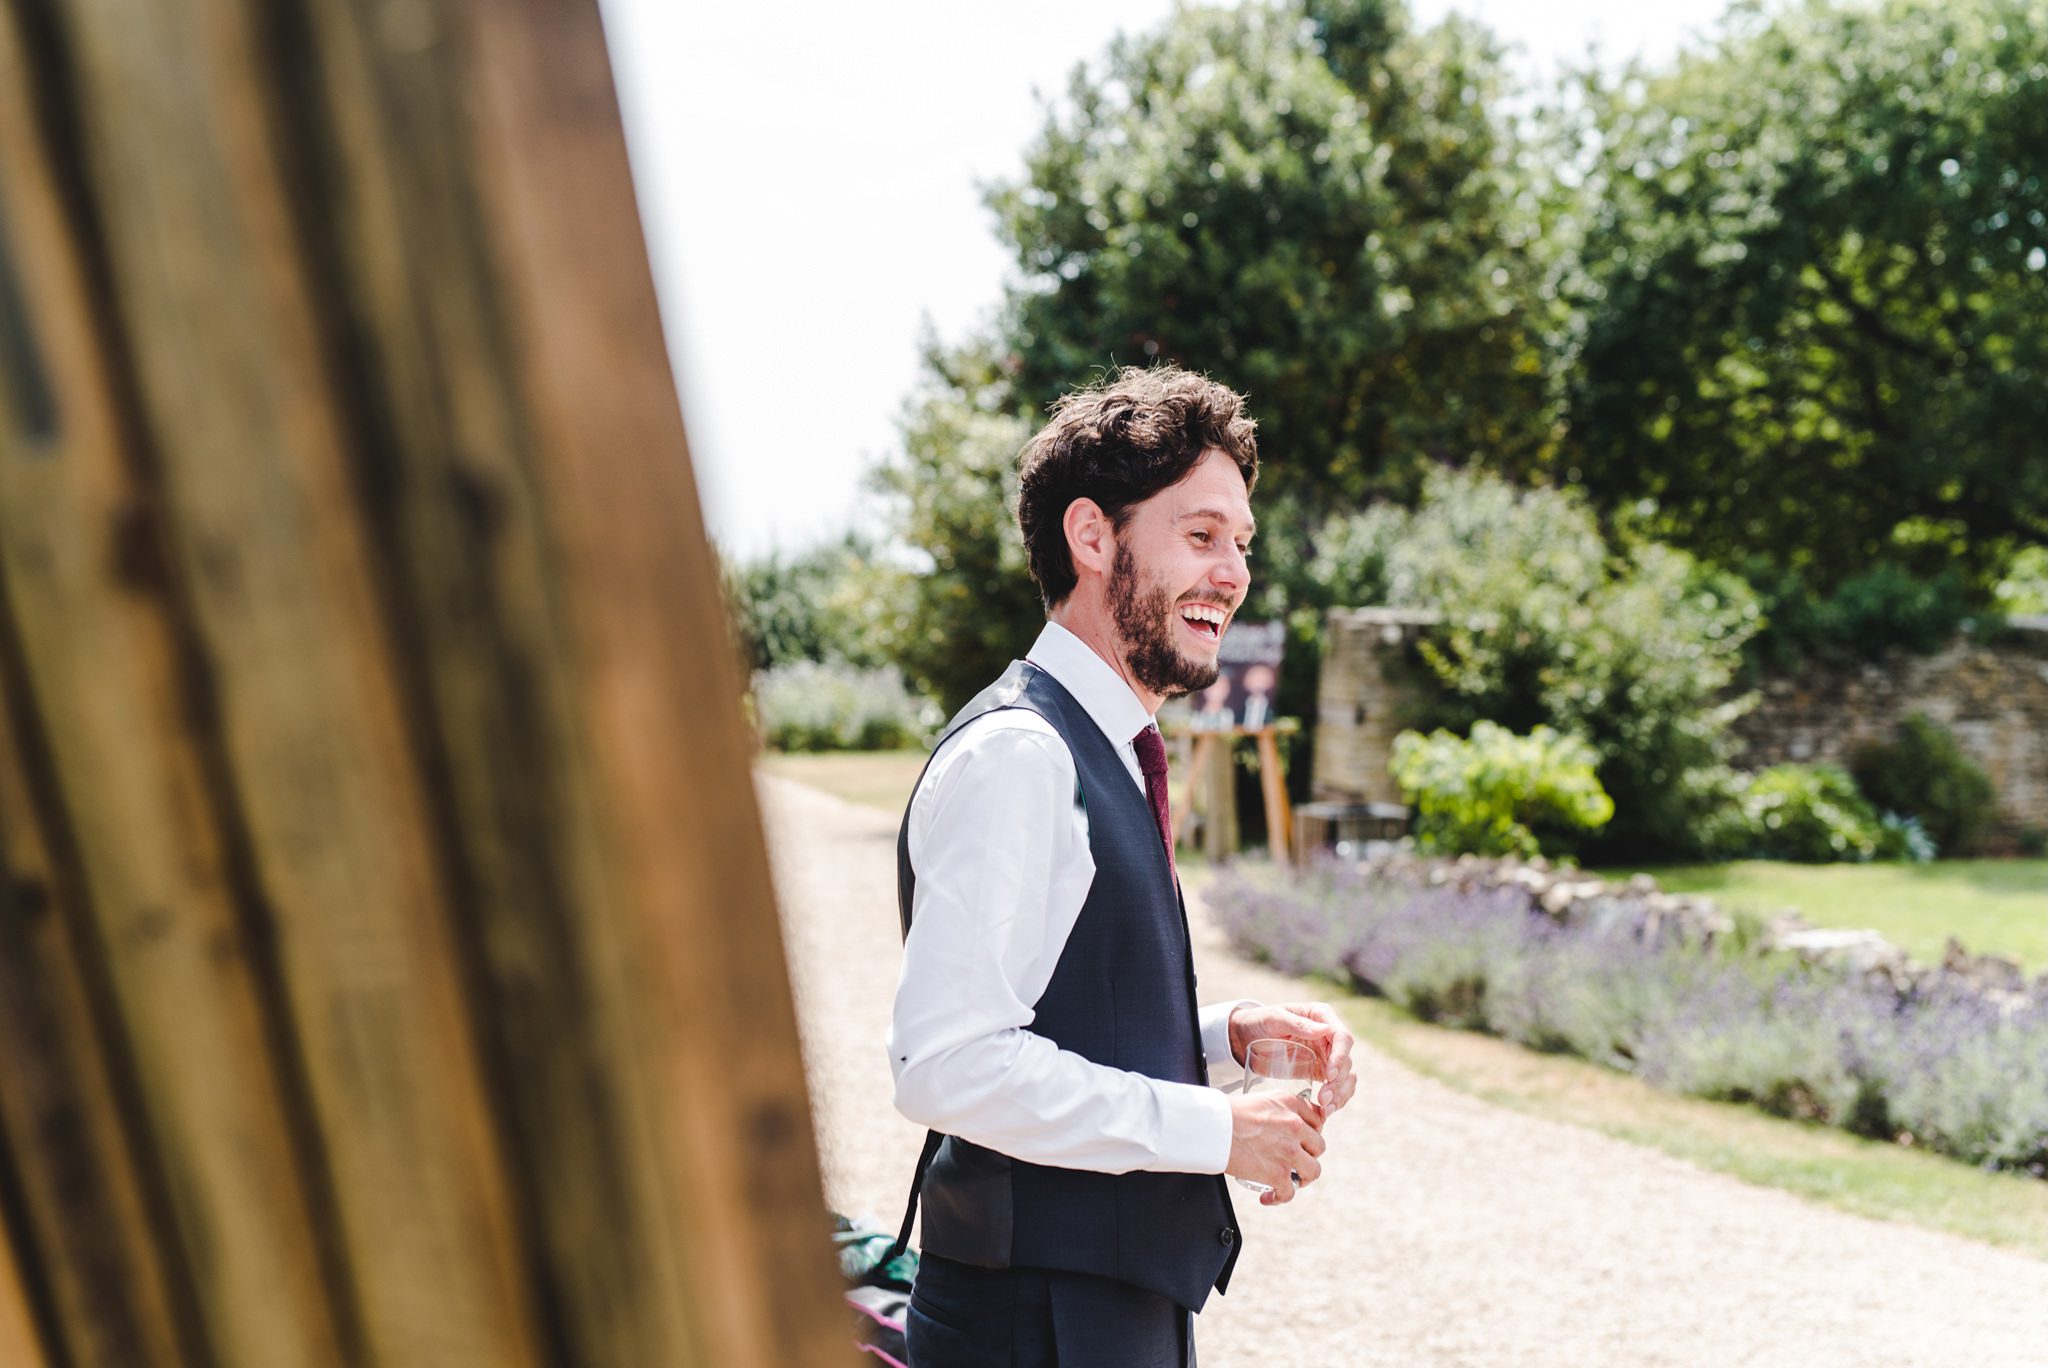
column 1119, row 442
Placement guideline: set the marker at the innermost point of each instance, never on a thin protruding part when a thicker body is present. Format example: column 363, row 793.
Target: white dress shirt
column 1001, row 854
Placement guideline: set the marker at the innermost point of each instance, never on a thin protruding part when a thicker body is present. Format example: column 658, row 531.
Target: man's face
column 1180, row 574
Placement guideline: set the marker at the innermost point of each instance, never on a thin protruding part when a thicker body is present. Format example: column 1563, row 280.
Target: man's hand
column 1316, row 1025
column 1273, row 1135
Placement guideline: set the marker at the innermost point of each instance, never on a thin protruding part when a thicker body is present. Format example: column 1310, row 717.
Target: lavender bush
column 809, row 705
column 1948, row 1070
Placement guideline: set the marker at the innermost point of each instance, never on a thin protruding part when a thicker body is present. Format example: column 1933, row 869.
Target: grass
column 876, row 779
column 1868, row 1177
column 1993, row 906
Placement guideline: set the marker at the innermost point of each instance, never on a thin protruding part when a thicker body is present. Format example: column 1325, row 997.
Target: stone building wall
column 1366, row 695
column 1989, row 694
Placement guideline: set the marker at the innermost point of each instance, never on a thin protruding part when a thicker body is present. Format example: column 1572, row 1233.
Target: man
column 1260, row 681
column 1046, row 1023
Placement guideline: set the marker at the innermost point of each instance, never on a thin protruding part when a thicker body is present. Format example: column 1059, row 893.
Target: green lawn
column 1994, row 906
column 877, row 779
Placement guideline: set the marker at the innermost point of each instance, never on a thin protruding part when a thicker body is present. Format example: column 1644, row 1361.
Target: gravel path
column 1445, row 1231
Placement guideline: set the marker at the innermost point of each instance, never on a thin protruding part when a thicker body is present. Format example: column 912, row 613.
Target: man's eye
column 1200, row 538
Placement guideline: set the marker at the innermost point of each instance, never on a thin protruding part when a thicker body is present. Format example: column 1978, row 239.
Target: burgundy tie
column 1153, row 764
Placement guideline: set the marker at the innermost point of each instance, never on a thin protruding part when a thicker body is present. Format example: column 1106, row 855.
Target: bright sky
column 808, row 179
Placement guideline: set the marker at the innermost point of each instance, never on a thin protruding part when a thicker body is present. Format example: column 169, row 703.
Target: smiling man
column 1046, row 1025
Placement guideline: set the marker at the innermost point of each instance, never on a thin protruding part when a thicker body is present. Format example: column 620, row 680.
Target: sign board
column 1248, row 679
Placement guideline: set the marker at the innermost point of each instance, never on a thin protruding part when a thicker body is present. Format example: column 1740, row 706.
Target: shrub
column 1923, row 774
column 1947, row 1069
column 1810, row 813
column 1630, row 647
column 2025, row 588
column 837, row 601
column 1494, row 792
column 812, row 706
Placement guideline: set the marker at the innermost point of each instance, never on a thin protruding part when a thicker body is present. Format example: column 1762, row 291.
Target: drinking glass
column 1286, row 1065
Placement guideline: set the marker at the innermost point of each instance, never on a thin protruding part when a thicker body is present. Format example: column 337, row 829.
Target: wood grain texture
column 312, row 779
column 20, row 1342
column 150, row 913
column 360, row 598
column 77, row 1248
column 471, row 575
column 693, row 948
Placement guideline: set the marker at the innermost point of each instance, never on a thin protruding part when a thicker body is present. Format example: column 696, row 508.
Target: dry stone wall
column 1572, row 897
column 1987, row 692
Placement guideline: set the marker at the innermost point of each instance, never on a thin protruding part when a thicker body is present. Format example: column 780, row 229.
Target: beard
column 1145, row 619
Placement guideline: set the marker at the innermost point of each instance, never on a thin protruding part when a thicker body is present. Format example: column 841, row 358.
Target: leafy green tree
column 1811, row 291
column 955, row 490
column 839, row 602
column 779, row 604
column 1311, row 203
column 1632, row 648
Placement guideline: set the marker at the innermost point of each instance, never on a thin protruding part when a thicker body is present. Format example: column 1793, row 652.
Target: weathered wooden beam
column 365, row 609
column 693, row 950
column 96, row 681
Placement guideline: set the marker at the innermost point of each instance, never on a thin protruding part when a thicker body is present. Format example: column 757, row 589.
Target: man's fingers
column 1308, row 1169
column 1314, row 1143
column 1308, row 1028
column 1311, row 1115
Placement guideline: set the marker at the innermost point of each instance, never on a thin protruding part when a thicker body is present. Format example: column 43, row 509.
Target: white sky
column 808, row 180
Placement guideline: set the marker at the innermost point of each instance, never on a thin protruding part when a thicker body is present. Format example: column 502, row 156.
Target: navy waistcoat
column 1122, row 994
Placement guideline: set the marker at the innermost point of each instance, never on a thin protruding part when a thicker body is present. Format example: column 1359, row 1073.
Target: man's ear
column 1092, row 540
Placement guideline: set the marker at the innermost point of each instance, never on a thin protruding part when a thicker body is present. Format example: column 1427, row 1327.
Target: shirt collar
column 1108, row 700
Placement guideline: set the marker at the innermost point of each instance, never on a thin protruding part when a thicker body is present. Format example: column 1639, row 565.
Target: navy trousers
column 962, row 1316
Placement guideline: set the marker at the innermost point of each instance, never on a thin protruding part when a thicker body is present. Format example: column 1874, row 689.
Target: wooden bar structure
column 1207, row 768
column 389, row 968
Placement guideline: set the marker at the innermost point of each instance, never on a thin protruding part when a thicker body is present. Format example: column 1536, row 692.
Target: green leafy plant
column 1494, row 792
column 1809, row 813
column 810, row 705
column 835, row 601
column 1922, row 773
column 1631, row 648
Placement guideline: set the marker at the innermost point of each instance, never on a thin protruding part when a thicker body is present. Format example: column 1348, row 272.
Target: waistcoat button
column 1226, row 1235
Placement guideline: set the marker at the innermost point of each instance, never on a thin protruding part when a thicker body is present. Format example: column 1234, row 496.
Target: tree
column 1812, row 292
column 1307, row 201
column 839, row 601
column 1632, row 646
column 1310, row 203
column 955, row 488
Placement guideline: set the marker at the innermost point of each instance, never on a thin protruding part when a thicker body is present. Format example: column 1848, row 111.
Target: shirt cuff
column 1195, row 1129
column 1215, row 1023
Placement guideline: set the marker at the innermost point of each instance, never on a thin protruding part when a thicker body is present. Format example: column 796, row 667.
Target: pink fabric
column 1153, row 764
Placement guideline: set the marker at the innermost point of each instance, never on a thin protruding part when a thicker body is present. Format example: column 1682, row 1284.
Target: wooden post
column 1220, row 799
column 374, row 801
column 1208, row 771
column 1274, row 794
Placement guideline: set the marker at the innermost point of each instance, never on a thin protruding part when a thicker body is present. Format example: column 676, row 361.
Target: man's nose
column 1232, row 573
